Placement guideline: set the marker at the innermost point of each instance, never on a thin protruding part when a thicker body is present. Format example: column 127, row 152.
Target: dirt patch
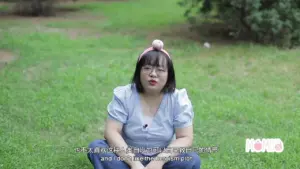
column 37, row 23
column 5, row 58
column 71, row 32
column 182, row 31
column 76, row 33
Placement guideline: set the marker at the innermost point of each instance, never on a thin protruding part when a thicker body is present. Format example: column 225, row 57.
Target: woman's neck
column 151, row 102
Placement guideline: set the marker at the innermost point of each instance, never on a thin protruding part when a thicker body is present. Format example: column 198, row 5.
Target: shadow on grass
column 216, row 33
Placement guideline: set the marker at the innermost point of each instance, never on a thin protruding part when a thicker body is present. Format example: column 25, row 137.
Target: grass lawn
column 53, row 95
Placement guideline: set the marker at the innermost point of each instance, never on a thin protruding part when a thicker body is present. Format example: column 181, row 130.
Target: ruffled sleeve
column 117, row 108
column 184, row 113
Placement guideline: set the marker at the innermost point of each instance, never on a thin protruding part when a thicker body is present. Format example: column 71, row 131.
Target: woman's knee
column 101, row 159
column 195, row 158
column 184, row 161
column 98, row 144
column 190, row 161
column 100, row 148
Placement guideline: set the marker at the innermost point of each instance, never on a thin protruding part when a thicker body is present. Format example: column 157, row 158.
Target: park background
column 57, row 74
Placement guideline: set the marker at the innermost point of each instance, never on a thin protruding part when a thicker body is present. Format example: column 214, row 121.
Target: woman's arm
column 184, row 139
column 183, row 123
column 112, row 134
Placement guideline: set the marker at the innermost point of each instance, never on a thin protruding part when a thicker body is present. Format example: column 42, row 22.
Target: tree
column 271, row 21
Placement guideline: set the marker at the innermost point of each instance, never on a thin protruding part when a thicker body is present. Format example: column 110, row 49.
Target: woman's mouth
column 152, row 82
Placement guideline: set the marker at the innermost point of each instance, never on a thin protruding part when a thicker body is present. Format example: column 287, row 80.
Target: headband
column 156, row 45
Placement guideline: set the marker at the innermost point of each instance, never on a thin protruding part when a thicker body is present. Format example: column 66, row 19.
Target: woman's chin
column 153, row 89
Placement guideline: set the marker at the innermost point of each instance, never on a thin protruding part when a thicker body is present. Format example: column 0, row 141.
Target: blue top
column 175, row 111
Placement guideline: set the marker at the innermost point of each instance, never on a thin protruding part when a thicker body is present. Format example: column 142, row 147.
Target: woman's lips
column 152, row 82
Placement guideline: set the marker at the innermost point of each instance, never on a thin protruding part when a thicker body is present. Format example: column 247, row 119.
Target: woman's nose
column 153, row 72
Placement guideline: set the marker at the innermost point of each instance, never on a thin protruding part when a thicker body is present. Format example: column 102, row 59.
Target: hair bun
column 157, row 44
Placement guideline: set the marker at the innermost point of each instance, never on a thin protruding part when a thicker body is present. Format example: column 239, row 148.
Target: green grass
column 53, row 98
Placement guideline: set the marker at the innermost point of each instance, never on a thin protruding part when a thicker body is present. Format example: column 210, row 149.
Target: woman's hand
column 155, row 165
column 137, row 165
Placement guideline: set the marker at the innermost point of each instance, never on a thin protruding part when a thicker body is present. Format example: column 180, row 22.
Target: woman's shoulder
column 179, row 94
column 123, row 91
column 181, row 99
column 184, row 113
column 123, row 88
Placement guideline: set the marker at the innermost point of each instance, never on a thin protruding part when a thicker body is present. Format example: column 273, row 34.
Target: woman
column 147, row 120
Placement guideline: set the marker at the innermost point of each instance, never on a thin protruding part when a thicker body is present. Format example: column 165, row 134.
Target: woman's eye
column 161, row 69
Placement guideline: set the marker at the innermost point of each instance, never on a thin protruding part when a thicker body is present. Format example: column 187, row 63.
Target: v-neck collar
column 140, row 109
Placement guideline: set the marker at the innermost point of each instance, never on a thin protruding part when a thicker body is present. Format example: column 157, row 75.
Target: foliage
column 270, row 21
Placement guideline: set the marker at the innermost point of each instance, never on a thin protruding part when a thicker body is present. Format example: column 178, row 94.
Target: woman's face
column 154, row 78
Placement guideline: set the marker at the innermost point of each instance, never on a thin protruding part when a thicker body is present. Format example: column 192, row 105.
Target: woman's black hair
column 154, row 58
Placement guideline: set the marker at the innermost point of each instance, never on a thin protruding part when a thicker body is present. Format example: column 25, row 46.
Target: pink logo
column 258, row 146
column 264, row 145
column 278, row 147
